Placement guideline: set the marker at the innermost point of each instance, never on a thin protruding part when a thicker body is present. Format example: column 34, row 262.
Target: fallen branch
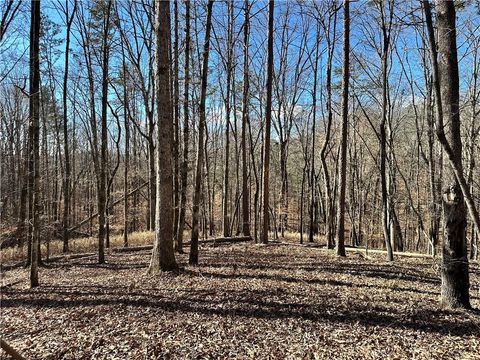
column 116, row 202
column 11, row 351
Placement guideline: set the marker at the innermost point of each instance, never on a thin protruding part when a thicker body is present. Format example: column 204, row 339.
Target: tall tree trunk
column 229, row 69
column 455, row 277
column 435, row 194
column 245, row 120
column 314, row 121
column 186, row 134
column 340, row 233
column 176, row 122
column 329, row 225
column 163, row 256
column 126, row 165
column 102, row 183
column 66, row 153
column 193, row 257
column 34, row 136
column 268, row 121
column 383, row 136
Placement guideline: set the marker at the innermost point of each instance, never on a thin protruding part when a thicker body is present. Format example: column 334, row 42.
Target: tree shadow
column 248, row 304
column 314, row 281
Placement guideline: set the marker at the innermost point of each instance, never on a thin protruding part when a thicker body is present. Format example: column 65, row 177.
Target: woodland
column 239, row 179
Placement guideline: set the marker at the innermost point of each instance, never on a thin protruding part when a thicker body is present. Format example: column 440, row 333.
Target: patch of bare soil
column 243, row 301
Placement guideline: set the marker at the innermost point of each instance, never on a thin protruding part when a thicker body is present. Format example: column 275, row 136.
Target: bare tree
column 455, row 277
column 34, row 139
column 340, row 233
column 245, row 121
column 186, row 134
column 163, row 256
column 268, row 121
column 66, row 152
column 193, row 257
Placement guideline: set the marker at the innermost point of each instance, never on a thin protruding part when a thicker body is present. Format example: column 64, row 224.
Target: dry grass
column 78, row 245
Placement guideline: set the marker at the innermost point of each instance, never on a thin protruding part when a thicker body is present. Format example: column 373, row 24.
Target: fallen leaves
column 243, row 301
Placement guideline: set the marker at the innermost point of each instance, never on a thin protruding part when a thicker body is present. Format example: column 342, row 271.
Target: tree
column 66, row 152
column 163, row 256
column 34, row 140
column 385, row 179
column 268, row 121
column 455, row 277
column 102, row 182
column 193, row 257
column 245, row 120
column 340, row 234
column 229, row 69
column 186, row 134
column 329, row 203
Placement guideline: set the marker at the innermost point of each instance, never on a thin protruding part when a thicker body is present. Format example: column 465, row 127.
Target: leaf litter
column 243, row 301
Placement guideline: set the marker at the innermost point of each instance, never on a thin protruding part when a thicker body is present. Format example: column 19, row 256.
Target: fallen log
column 116, row 202
column 11, row 351
column 132, row 248
column 214, row 241
column 223, row 240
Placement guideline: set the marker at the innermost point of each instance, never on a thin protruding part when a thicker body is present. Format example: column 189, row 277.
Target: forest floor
column 273, row 301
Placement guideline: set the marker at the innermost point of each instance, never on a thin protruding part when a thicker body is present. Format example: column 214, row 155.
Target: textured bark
column 193, row 256
column 34, row 136
column 245, row 120
column 329, row 209
column 268, row 121
column 176, row 107
column 66, row 152
column 126, row 164
column 229, row 70
column 312, row 226
column 454, row 273
column 340, row 233
column 186, row 134
column 163, row 256
column 385, row 27
column 102, row 183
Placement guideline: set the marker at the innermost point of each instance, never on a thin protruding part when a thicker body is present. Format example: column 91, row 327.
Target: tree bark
column 34, row 136
column 340, row 233
column 268, row 121
column 229, row 69
column 163, row 256
column 66, row 152
column 383, row 136
column 186, row 134
column 102, row 183
column 245, row 120
column 454, row 273
column 314, row 121
column 193, row 257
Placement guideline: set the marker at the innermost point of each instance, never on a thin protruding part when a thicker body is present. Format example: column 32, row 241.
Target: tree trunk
column 454, row 273
column 34, row 136
column 176, row 122
column 186, row 134
column 229, row 69
column 193, row 257
column 102, row 183
column 340, row 233
column 66, row 153
column 314, row 121
column 329, row 224
column 245, row 120
column 383, row 136
column 163, row 256
column 268, row 120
